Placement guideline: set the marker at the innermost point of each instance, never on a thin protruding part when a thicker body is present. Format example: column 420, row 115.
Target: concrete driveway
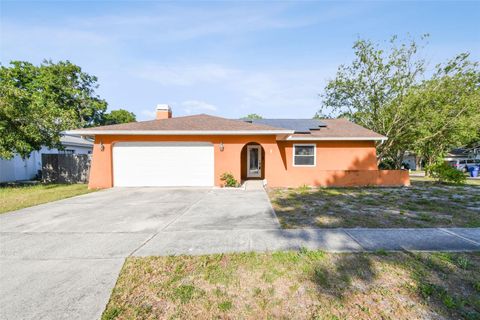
column 61, row 259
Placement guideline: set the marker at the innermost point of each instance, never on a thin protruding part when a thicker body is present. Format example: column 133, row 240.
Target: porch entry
column 254, row 161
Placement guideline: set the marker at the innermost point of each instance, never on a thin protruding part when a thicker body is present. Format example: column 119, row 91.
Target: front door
column 254, row 161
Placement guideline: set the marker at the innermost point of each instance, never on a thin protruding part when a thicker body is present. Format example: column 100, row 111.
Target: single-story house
column 463, row 153
column 196, row 150
column 18, row 168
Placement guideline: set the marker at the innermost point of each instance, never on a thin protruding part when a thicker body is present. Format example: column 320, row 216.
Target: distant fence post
column 65, row 168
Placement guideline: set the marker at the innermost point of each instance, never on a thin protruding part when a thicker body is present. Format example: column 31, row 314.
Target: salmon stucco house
column 196, row 150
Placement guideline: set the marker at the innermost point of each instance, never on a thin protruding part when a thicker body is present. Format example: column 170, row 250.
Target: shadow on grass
column 347, row 270
column 448, row 283
column 424, row 204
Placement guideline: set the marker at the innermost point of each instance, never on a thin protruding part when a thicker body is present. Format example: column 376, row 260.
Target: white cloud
column 179, row 23
column 287, row 92
column 196, row 106
column 136, row 58
column 181, row 75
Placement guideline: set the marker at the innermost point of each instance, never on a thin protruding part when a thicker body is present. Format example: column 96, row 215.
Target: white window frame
column 314, row 154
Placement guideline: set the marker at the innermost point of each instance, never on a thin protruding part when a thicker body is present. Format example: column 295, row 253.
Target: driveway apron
column 60, row 260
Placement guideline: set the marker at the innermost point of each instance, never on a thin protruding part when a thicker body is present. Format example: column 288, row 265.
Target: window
column 304, row 155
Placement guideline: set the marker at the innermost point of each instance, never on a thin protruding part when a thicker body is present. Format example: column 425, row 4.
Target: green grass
column 18, row 197
column 300, row 284
column 424, row 204
column 468, row 182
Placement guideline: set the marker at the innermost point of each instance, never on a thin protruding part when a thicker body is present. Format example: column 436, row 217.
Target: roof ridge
column 284, row 119
column 189, row 122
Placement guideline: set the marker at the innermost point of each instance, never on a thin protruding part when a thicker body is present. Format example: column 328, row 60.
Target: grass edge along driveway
column 299, row 284
column 19, row 197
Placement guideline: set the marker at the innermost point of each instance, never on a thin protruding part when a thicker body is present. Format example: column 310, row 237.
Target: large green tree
column 117, row 116
column 371, row 90
column 38, row 102
column 446, row 109
column 382, row 90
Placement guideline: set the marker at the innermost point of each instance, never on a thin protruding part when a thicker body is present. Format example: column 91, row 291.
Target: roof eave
column 290, row 138
column 176, row 132
column 86, row 145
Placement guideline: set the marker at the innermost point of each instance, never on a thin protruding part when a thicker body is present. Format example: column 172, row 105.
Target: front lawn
column 424, row 204
column 299, row 285
column 18, row 197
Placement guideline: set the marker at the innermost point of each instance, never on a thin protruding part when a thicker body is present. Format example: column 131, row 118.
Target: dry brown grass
column 299, row 285
column 424, row 204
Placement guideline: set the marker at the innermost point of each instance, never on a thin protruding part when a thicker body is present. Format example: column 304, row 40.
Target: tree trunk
column 428, row 162
column 418, row 163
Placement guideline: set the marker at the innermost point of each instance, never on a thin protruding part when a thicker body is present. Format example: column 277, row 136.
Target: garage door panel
column 163, row 164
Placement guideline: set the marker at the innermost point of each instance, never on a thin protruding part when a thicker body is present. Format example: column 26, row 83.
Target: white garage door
column 140, row 164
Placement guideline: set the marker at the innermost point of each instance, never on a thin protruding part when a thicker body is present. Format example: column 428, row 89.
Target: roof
column 68, row 140
column 195, row 124
column 458, row 152
column 202, row 124
column 298, row 125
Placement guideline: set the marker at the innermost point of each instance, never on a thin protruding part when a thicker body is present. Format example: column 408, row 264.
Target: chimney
column 163, row 111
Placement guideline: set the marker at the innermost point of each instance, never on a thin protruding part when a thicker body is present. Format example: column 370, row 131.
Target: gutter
column 175, row 132
column 382, row 139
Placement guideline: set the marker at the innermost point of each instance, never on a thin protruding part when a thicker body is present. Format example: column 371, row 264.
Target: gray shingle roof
column 68, row 140
column 200, row 122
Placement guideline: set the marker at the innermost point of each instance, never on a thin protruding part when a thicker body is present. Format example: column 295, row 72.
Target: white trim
column 176, row 132
column 163, row 107
column 314, row 154
column 259, row 154
column 85, row 145
column 336, row 138
column 164, row 144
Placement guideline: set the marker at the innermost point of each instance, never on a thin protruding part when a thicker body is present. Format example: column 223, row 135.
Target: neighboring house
column 410, row 160
column 26, row 169
column 196, row 150
column 463, row 153
column 457, row 154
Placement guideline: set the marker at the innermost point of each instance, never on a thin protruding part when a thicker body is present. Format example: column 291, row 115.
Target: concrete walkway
column 334, row 240
column 61, row 260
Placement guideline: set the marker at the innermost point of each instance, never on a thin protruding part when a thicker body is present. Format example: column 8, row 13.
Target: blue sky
column 224, row 58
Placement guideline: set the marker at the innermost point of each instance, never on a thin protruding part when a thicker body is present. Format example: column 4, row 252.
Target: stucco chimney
column 163, row 111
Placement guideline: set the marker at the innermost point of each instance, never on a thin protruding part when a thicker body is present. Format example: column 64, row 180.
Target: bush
column 386, row 164
column 445, row 173
column 229, row 180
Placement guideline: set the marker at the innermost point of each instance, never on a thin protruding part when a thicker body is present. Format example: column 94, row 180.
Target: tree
column 117, row 116
column 447, row 109
column 38, row 102
column 371, row 92
column 253, row 116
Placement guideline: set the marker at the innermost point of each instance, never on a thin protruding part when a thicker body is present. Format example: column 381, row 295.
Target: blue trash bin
column 473, row 171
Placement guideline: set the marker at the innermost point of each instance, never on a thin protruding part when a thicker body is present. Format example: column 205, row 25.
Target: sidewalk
column 334, row 240
column 71, row 275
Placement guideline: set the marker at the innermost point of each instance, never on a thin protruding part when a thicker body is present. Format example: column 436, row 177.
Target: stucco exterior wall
column 338, row 162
